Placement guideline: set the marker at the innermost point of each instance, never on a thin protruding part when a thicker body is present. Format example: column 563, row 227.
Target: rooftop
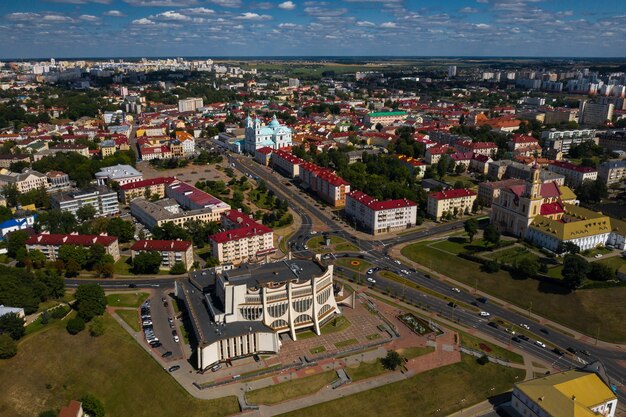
column 71, row 239
column 161, row 245
column 376, row 205
column 273, row 273
column 147, row 183
column 444, row 195
column 117, row 172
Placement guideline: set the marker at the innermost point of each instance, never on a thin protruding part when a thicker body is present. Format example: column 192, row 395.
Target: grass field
column 316, row 350
column 361, row 265
column 335, row 325
column 346, row 343
column 366, row 370
column 474, row 343
column 614, row 262
column 127, row 299
column 122, row 266
column 414, row 352
column 53, row 367
column 291, row 389
column 440, row 389
column 549, row 300
column 337, row 244
column 130, row 317
column 511, row 255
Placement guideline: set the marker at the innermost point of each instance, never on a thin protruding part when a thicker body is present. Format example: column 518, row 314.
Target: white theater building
column 274, row 135
column 240, row 312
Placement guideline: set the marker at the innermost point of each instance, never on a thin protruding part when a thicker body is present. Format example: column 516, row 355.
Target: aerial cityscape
column 312, row 208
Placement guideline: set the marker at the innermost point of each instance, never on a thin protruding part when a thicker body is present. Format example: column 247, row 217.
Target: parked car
column 173, row 368
column 216, row 367
column 571, row 350
column 523, row 337
column 166, row 354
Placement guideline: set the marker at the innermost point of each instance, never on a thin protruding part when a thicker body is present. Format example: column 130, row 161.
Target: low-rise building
column 566, row 394
column 244, row 239
column 172, row 251
column 263, row 155
column 153, row 188
column 416, row 166
column 325, row 183
column 25, row 181
column 489, row 191
column 18, row 223
column 7, row 159
column 454, row 202
column 192, row 198
column 385, row 118
column 167, row 210
column 70, row 147
column 380, row 216
column 574, row 175
column 121, row 174
column 510, row 169
column 102, row 198
column 50, row 244
column 58, row 181
column 73, row 409
column 286, row 163
column 241, row 312
column 18, row 311
column 612, row 172
column 479, row 148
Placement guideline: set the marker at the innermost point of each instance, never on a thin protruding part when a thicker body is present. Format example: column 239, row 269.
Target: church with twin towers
column 273, row 135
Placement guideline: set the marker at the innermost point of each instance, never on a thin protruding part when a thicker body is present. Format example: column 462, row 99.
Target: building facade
column 574, row 175
column 325, row 183
column 121, row 174
column 274, row 135
column 25, row 181
column 562, row 141
column 152, row 188
column 385, row 118
column 50, row 244
column 380, row 216
column 172, row 251
column 454, row 202
column 613, row 140
column 103, row 199
column 612, row 172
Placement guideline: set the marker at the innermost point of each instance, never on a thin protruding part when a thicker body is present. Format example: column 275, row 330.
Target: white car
column 540, row 343
column 370, row 271
column 455, row 289
column 405, row 272
column 398, row 262
column 176, row 339
column 371, row 280
column 598, row 255
column 484, row 314
column 525, row 326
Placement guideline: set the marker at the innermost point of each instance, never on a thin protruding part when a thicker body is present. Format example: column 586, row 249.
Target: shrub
column 59, row 312
column 491, row 266
column 75, row 325
column 92, row 405
column 483, row 360
column 8, row 347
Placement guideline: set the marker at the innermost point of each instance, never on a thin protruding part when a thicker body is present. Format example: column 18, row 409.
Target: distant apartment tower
column 594, row 114
column 612, row 172
column 103, row 199
column 190, row 104
column 451, row 71
column 613, row 140
column 294, row 83
column 562, row 141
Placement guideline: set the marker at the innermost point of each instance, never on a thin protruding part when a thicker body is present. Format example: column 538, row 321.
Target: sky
column 149, row 28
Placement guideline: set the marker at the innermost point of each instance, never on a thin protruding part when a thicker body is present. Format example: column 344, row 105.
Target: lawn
column 439, row 389
column 338, row 324
column 346, row 343
column 337, row 244
column 130, row 317
column 549, row 300
column 511, row 255
column 123, row 266
column 615, row 262
column 316, row 350
column 291, row 389
column 53, row 367
column 415, row 351
column 355, row 264
column 127, row 299
column 366, row 370
column 474, row 343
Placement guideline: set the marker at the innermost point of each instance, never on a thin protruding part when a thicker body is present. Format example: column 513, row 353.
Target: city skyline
column 122, row 28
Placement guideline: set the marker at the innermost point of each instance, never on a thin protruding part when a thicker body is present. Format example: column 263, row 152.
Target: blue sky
column 145, row 28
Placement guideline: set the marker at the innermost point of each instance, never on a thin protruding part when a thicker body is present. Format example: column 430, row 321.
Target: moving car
column 525, row 326
column 484, row 314
column 371, row 280
column 558, row 351
column 370, row 271
column 540, row 343
column 455, row 289
column 493, row 324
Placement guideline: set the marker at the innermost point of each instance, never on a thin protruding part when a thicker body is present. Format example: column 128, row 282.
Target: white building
column 12, row 310
column 190, row 104
column 274, row 135
column 25, row 181
column 454, row 202
column 103, row 199
column 574, row 175
column 240, row 312
column 122, row 174
column 243, row 240
column 451, row 71
column 380, row 216
column 567, row 394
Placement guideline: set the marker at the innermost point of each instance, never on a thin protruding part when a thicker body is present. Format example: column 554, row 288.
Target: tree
column 122, row 229
column 575, row 269
column 11, row 194
column 17, row 240
column 37, row 258
column 86, row 212
column 178, row 268
column 96, row 328
column 491, row 266
column 92, row 405
column 460, row 168
column 75, row 325
column 13, row 325
column 147, row 263
column 527, row 267
column 567, row 247
column 90, row 301
column 392, row 360
column 600, row 272
column 491, row 234
column 471, row 228
column 8, row 347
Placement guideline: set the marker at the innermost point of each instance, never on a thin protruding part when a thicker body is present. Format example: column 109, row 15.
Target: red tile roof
column 547, row 190
column 240, row 233
column 147, row 183
column 161, row 245
column 572, row 167
column 288, row 156
column 266, row 150
column 551, row 208
column 445, row 195
column 71, row 410
column 376, row 205
column 71, row 239
column 518, row 138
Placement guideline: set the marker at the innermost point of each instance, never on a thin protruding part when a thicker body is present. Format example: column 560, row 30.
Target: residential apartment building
column 8, row 159
column 325, row 183
column 479, row 148
column 574, row 175
column 192, row 198
column 286, row 163
column 102, row 198
column 385, row 118
column 121, row 174
column 380, row 216
column 50, row 244
column 70, row 147
column 25, row 181
column 613, row 140
column 244, row 239
column 559, row 116
column 562, row 141
column 434, row 154
column 489, row 191
column 441, row 203
column 152, row 189
column 510, row 169
column 172, row 251
column 190, row 104
column 416, row 166
column 241, row 312
column 612, row 172
column 167, row 210
column 572, row 393
column 594, row 114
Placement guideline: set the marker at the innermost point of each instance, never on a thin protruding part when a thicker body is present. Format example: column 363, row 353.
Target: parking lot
column 158, row 313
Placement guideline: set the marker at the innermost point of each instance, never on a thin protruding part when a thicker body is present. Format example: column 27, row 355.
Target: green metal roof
column 387, row 113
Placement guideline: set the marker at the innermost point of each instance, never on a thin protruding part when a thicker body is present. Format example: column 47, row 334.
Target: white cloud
column 287, row 5
column 114, row 13
column 80, row 1
column 89, row 18
column 468, row 10
column 162, row 3
column 199, row 10
column 253, row 16
column 19, row 16
column 287, row 26
column 482, row 26
column 365, row 23
column 56, row 18
column 388, row 25
column 171, row 15
column 227, row 3
column 143, row 22
column 324, row 12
